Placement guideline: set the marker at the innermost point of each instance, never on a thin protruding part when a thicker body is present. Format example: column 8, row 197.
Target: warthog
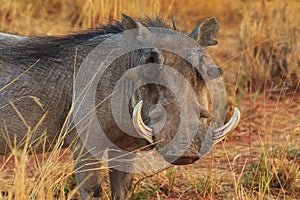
column 37, row 77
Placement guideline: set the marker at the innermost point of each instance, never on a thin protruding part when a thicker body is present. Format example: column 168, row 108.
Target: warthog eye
column 204, row 113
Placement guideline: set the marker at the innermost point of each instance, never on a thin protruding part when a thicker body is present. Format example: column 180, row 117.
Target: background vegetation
column 258, row 48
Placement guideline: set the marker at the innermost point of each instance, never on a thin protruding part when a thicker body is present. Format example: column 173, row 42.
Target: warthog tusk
column 223, row 131
column 139, row 125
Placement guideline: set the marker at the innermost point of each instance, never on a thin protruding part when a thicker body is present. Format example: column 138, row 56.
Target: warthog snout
column 184, row 149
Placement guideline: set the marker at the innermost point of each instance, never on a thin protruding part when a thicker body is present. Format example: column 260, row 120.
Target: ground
column 260, row 160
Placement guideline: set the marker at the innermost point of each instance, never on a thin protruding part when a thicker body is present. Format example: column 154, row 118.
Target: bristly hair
column 157, row 22
column 115, row 27
column 52, row 46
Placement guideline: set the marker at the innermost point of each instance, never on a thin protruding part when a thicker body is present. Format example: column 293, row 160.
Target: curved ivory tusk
column 223, row 131
column 139, row 125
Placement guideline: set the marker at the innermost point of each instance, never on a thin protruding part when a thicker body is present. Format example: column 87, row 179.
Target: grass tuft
column 260, row 53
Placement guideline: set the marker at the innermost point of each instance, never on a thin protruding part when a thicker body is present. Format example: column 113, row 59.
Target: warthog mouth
column 188, row 157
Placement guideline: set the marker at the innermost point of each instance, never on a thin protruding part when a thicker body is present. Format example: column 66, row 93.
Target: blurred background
column 258, row 48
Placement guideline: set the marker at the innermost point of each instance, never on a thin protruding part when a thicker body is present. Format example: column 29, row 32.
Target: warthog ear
column 129, row 23
column 206, row 32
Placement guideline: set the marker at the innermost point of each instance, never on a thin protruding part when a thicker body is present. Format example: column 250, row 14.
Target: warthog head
column 170, row 120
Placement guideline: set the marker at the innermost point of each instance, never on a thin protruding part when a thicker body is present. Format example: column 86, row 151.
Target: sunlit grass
column 259, row 161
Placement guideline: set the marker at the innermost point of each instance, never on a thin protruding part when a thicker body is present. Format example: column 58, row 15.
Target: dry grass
column 259, row 49
column 271, row 34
